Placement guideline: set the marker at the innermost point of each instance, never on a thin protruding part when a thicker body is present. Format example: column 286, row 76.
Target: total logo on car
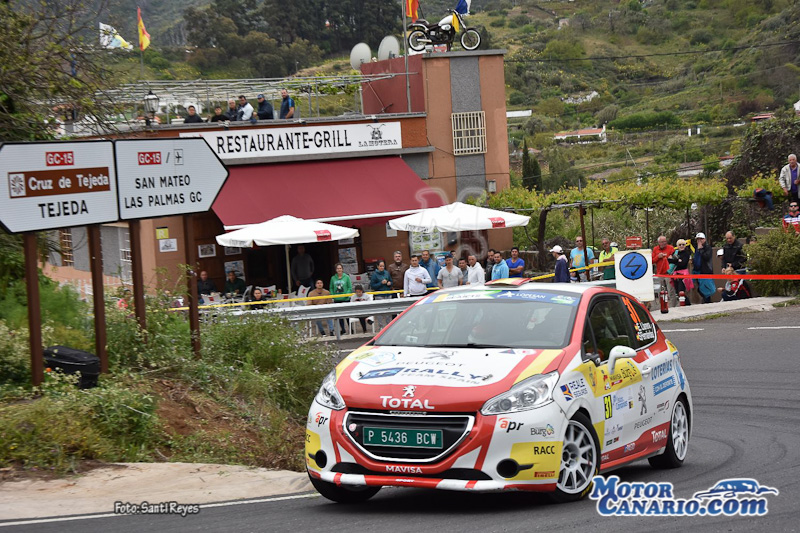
column 511, row 385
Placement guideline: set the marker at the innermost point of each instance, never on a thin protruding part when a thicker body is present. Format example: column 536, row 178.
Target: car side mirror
column 592, row 356
column 619, row 352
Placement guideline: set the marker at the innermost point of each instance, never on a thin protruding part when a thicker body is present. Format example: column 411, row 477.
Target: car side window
column 589, row 344
column 609, row 323
column 644, row 331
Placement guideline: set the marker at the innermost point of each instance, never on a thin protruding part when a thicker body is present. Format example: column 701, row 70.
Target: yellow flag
column 144, row 37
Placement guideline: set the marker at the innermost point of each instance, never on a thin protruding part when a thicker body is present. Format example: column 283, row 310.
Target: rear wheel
column 580, row 460
column 417, row 40
column 470, row 39
column 677, row 440
column 341, row 494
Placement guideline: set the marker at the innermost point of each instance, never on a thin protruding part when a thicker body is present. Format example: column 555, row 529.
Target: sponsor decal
column 643, row 399
column 606, row 384
column 609, row 442
column 661, row 386
column 408, row 391
column 630, row 447
column 403, row 469
column 320, row 420
column 353, row 426
column 547, row 449
column 645, row 331
column 604, row 457
column 613, row 429
column 592, row 378
column 405, row 403
column 574, row 389
column 547, row 431
column 609, row 406
column 663, row 406
column 679, row 370
column 621, row 402
column 643, row 423
column 661, row 370
column 566, row 300
column 551, row 473
column 728, row 497
column 381, row 373
column 509, row 425
column 441, row 355
column 376, row 358
column 659, row 435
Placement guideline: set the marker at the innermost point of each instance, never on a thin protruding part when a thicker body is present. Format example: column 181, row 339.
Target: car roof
column 523, row 285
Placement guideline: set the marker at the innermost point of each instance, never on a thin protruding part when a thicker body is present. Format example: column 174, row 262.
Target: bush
column 775, row 253
column 643, row 121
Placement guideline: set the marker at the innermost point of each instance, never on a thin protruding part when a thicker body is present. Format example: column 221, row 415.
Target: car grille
column 454, row 429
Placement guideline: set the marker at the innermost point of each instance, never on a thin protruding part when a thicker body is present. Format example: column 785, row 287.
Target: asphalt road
column 746, row 424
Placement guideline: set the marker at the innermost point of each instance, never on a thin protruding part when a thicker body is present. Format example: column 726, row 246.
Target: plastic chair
column 353, row 322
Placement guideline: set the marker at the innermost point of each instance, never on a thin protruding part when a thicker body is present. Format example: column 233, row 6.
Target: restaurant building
column 447, row 144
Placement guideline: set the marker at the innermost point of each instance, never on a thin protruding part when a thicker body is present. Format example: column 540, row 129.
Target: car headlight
column 530, row 393
column 328, row 395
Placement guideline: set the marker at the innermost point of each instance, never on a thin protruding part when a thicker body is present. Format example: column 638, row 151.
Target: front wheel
column 470, row 39
column 580, row 460
column 417, row 40
column 341, row 494
column 677, row 439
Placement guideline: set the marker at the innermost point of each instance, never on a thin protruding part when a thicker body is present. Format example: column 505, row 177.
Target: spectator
column 257, row 296
column 232, row 112
column 789, row 178
column 381, row 280
column 792, row 218
column 735, row 289
column 562, row 269
column 193, row 117
column 462, row 266
column 702, row 265
column 287, row 105
column 340, row 284
column 500, row 268
column 264, row 109
column 361, row 296
column 489, row 264
column 234, row 285
column 430, row 264
column 578, row 259
column 245, row 110
column 607, row 254
column 732, row 253
column 415, row 279
column 449, row 276
column 397, row 270
column 218, row 116
column 302, row 268
column 205, row 285
column 475, row 272
column 319, row 290
column 661, row 254
column 516, row 265
column 681, row 259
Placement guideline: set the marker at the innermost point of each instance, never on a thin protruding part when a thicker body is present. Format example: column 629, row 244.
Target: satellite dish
column 389, row 48
column 360, row 54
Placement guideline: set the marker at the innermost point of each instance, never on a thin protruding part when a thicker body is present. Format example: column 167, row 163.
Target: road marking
column 775, row 327
column 110, row 515
column 679, row 330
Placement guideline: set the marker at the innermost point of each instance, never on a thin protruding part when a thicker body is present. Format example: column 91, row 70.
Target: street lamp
column 150, row 107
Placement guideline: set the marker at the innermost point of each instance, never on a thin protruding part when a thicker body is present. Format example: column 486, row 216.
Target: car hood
column 440, row 379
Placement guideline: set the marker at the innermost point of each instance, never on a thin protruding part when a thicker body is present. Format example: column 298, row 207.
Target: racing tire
column 470, row 39
column 677, row 439
column 580, row 460
column 417, row 40
column 341, row 494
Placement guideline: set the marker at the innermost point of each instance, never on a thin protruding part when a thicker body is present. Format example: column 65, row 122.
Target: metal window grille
column 469, row 133
column 65, row 237
column 125, row 253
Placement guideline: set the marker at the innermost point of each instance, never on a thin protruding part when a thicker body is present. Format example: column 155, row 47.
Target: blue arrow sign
column 633, row 265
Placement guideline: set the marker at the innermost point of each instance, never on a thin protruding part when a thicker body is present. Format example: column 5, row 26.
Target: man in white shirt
column 416, row 279
column 449, row 276
column 475, row 273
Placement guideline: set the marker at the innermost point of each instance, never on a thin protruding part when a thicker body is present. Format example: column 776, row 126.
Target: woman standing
column 341, row 284
column 381, row 280
column 681, row 259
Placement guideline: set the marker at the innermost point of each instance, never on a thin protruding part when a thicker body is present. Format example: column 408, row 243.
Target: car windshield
column 486, row 319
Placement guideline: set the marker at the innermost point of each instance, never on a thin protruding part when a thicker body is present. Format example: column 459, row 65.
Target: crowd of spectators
column 240, row 110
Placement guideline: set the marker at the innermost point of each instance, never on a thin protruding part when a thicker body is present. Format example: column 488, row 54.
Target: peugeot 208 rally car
column 511, row 385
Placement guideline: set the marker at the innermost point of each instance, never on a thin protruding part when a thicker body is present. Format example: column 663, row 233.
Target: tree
column 48, row 70
column 531, row 171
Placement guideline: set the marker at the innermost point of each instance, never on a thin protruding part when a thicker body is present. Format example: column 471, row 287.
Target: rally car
column 511, row 385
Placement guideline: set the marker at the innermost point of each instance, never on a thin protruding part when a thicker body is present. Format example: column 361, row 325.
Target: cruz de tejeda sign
column 57, row 185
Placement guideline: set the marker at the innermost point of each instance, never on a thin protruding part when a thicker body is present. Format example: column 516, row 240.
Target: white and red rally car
column 509, row 386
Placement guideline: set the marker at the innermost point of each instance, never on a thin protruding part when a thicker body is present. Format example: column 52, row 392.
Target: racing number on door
column 608, row 405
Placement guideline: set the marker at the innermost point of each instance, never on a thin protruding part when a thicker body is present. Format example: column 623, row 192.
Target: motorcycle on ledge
column 423, row 33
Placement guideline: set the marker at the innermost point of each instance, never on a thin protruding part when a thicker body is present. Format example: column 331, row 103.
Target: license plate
column 406, row 438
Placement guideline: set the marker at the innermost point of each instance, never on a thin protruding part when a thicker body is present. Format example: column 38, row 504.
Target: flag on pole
column 412, row 9
column 144, row 37
column 110, row 38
